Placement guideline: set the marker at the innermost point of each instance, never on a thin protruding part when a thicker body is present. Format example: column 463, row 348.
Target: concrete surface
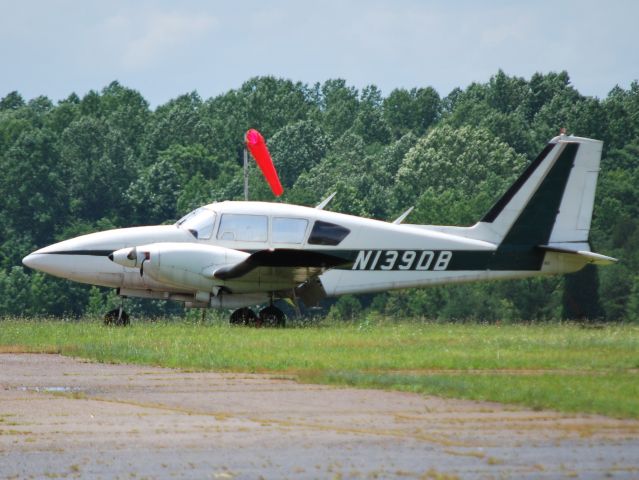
column 67, row 418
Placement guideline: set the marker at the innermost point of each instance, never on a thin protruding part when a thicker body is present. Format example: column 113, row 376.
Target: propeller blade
column 147, row 256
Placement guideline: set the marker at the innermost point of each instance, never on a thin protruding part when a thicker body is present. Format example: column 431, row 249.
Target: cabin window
column 325, row 233
column 244, row 228
column 199, row 222
column 289, row 230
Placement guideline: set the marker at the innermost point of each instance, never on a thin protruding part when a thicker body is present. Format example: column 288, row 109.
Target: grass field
column 562, row 367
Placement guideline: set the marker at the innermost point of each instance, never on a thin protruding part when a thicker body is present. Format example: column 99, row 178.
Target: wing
column 279, row 269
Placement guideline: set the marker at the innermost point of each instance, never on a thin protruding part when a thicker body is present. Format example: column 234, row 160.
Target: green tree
column 470, row 161
column 182, row 121
column 622, row 115
column 339, row 106
column 632, row 310
column 12, row 101
column 543, row 88
column 347, row 307
column 412, row 110
column 33, row 186
column 296, row 148
column 96, row 165
column 370, row 123
column 272, row 103
column 154, row 194
column 506, row 94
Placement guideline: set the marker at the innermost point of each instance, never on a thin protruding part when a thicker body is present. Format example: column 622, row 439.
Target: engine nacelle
column 180, row 265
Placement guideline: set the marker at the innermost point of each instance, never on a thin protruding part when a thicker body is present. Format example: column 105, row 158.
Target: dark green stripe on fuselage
column 90, row 253
column 520, row 259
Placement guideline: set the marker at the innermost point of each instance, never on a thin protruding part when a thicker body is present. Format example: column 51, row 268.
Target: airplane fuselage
column 376, row 255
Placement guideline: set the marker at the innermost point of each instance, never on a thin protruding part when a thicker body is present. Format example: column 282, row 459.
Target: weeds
column 559, row 366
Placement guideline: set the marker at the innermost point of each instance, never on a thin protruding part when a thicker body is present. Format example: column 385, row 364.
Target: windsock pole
column 246, row 176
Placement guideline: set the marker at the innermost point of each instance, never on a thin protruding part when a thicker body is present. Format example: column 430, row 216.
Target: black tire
column 272, row 317
column 244, row 316
column 117, row 317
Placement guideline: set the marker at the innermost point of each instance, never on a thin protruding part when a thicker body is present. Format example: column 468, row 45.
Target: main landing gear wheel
column 272, row 317
column 117, row 317
column 244, row 316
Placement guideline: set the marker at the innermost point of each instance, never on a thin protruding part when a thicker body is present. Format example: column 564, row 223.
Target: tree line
column 107, row 160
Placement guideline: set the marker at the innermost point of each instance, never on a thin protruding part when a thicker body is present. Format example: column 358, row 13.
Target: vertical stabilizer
column 551, row 202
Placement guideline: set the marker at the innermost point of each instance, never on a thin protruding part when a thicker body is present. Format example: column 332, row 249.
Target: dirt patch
column 61, row 417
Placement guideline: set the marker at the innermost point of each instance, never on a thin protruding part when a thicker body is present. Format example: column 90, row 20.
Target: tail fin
column 551, row 202
column 548, row 210
column 542, row 222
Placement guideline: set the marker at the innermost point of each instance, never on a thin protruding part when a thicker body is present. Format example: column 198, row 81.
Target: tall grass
column 564, row 367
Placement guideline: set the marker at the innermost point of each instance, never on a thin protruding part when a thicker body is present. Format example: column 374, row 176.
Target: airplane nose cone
column 39, row 261
column 44, row 262
column 31, row 261
column 53, row 264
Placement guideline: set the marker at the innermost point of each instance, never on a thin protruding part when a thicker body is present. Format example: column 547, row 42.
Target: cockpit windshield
column 199, row 222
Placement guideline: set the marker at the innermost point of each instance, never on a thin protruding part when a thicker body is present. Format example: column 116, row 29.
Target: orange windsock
column 257, row 146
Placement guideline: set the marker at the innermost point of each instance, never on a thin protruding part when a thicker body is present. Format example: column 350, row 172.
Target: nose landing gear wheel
column 272, row 317
column 117, row 317
column 244, row 316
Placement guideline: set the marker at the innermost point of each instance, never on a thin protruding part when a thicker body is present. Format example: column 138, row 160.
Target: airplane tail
column 549, row 207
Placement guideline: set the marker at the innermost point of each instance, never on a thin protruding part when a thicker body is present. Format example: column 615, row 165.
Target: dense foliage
column 107, row 160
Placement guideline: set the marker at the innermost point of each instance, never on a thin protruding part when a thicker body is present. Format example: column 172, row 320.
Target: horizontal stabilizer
column 589, row 257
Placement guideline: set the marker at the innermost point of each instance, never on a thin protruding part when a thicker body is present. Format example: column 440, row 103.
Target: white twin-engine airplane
column 241, row 254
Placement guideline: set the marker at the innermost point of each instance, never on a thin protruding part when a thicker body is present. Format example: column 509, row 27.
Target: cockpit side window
column 199, row 222
column 325, row 233
column 288, row 230
column 246, row 228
